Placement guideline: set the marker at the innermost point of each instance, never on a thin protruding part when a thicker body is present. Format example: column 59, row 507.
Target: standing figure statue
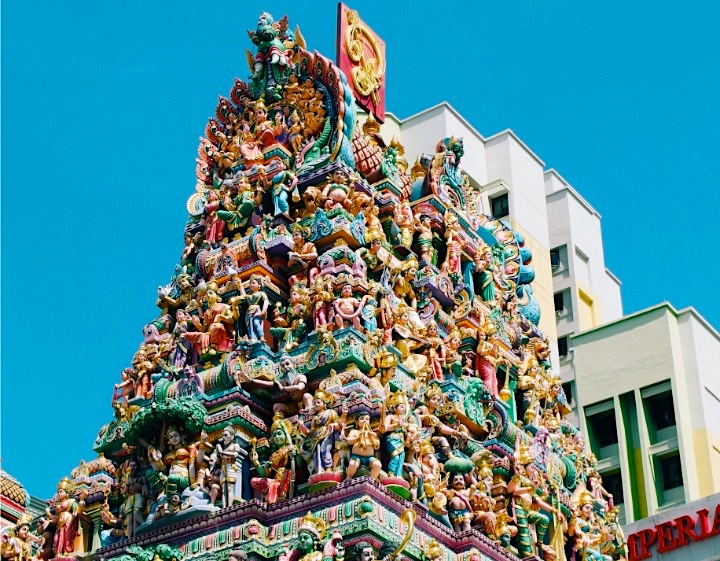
column 214, row 225
column 283, row 183
column 348, row 309
column 256, row 312
column 406, row 222
column 423, row 226
column 364, row 442
column 226, row 454
column 487, row 359
column 459, row 508
column 65, row 516
column 396, row 427
column 321, row 432
column 134, row 487
column 527, row 504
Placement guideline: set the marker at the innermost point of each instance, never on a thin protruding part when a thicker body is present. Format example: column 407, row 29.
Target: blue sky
column 103, row 104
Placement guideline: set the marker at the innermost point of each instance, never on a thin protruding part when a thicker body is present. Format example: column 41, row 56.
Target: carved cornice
column 269, row 515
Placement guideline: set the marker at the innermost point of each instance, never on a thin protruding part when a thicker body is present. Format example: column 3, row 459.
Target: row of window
column 659, row 414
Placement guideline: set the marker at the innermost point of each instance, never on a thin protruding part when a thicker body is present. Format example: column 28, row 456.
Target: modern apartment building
column 649, row 403
column 586, row 293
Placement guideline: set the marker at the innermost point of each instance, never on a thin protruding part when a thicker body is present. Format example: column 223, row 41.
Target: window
column 558, row 259
column 671, row 472
column 603, row 428
column 555, row 258
column 568, row 389
column 661, row 410
column 613, row 485
column 562, row 346
column 500, row 206
column 559, row 301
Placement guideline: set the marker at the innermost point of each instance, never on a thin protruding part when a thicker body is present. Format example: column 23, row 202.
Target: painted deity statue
column 270, row 48
column 364, row 443
column 215, row 330
column 348, row 309
column 257, row 306
column 135, row 489
column 289, row 321
column 276, row 471
column 337, row 191
column 460, row 511
column 173, row 469
column 527, row 504
column 311, row 543
column 303, row 254
column 487, row 360
column 240, row 203
column 225, row 455
column 282, row 184
column 292, row 387
column 214, row 225
column 586, row 530
column 398, row 430
column 65, row 518
column 423, row 227
column 18, row 546
column 406, row 222
column 320, row 433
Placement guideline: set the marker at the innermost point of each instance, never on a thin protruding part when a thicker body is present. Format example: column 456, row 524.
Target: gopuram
column 346, row 364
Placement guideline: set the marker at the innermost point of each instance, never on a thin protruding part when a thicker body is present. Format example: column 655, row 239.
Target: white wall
column 702, row 349
column 618, row 358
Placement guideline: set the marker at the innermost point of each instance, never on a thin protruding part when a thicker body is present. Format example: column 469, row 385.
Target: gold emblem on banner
column 367, row 75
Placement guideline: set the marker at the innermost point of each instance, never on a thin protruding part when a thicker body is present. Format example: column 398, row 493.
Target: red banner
column 361, row 57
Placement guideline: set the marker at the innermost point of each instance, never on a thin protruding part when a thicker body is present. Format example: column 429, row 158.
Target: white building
column 586, row 293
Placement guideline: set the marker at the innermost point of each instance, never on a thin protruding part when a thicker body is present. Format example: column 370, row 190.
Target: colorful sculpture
column 387, row 367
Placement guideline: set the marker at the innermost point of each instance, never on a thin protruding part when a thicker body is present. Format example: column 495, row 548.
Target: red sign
column 361, row 57
column 673, row 534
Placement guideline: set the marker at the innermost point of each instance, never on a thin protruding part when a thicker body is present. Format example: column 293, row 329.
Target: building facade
column 649, row 402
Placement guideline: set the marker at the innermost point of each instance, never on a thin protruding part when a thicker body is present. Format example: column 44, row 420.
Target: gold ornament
column 66, row 485
column 523, row 455
column 325, row 397
column 585, row 498
column 313, row 525
column 368, row 74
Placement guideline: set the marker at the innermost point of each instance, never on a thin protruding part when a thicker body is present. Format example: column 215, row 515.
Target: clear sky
column 103, row 104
